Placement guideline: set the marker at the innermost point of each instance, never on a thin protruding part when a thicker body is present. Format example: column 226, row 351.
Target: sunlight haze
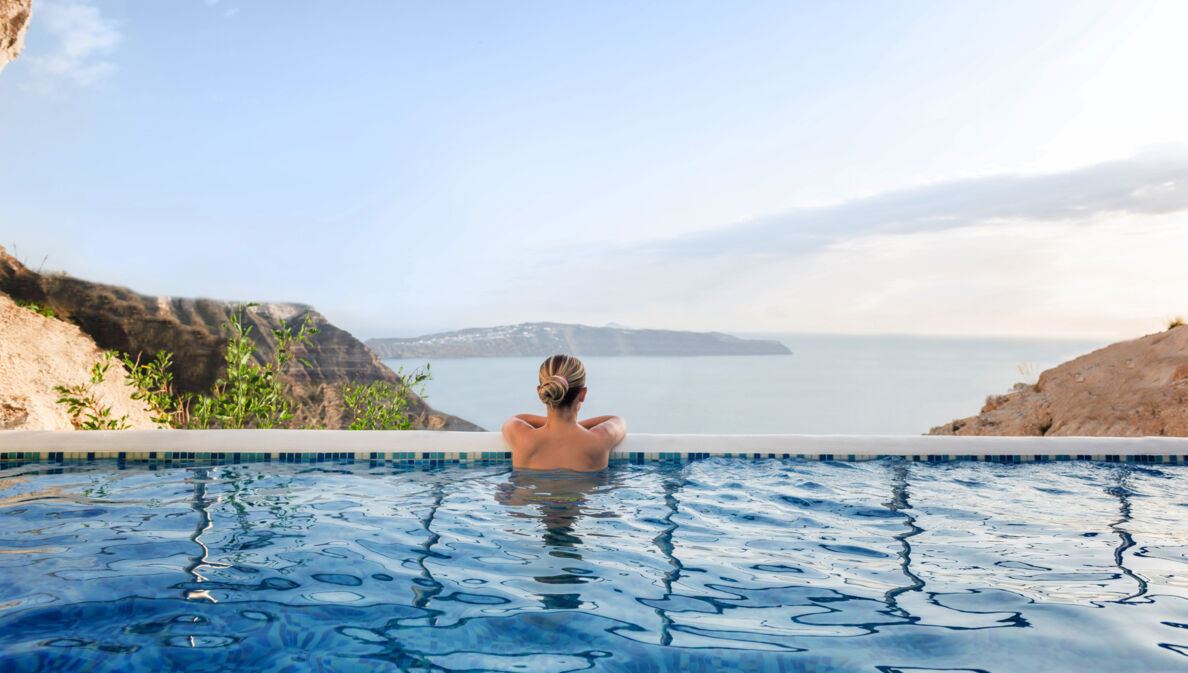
column 1006, row 168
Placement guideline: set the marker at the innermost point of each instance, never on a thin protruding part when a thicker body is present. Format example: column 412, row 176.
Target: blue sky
column 911, row 167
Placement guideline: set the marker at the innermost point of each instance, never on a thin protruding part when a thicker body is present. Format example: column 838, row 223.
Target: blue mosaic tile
column 434, row 459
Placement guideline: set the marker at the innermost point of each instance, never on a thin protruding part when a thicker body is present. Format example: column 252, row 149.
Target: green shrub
column 36, row 307
column 153, row 383
column 251, row 395
column 383, row 405
column 86, row 413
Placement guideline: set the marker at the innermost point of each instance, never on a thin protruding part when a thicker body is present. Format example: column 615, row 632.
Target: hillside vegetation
column 193, row 332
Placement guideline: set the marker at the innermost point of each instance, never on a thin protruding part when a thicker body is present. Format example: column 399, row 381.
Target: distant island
column 542, row 339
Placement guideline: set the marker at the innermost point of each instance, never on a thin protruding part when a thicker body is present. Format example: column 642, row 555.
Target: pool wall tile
column 436, row 449
column 435, row 459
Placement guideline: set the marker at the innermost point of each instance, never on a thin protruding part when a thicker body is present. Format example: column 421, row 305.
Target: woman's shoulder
column 519, row 433
column 610, row 430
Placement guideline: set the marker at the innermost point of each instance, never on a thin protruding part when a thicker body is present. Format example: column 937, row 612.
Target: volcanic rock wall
column 1127, row 389
column 38, row 353
column 192, row 329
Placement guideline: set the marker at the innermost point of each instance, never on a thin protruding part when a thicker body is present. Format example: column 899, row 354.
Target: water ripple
column 753, row 565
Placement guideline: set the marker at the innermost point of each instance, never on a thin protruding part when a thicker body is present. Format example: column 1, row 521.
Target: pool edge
column 438, row 447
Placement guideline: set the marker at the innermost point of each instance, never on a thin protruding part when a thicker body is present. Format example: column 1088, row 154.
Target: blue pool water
column 715, row 565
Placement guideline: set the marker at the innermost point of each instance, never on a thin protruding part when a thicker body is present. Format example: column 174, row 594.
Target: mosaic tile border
column 429, row 448
column 435, row 459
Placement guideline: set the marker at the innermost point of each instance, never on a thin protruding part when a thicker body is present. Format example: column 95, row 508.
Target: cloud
column 228, row 13
column 1150, row 184
column 83, row 38
column 1118, row 275
column 1092, row 251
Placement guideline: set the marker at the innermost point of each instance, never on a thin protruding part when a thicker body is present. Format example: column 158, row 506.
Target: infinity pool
column 715, row 565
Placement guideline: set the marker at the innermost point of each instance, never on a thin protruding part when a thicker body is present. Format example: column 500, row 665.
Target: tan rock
column 1127, row 389
column 38, row 353
column 192, row 330
column 14, row 21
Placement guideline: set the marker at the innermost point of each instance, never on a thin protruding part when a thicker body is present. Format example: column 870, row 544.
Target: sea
column 830, row 384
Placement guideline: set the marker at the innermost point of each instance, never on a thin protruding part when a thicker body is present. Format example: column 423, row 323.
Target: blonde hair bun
column 553, row 391
column 562, row 378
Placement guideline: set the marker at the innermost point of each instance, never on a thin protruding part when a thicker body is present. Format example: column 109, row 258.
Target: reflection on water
column 717, row 565
column 672, row 487
column 1125, row 541
column 560, row 499
column 900, row 503
column 425, row 587
column 200, row 504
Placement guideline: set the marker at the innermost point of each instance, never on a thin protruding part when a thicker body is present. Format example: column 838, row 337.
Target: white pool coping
column 273, row 442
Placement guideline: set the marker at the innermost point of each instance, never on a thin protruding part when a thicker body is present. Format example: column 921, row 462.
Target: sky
column 976, row 168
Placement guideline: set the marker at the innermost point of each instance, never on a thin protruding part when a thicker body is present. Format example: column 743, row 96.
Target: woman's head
column 562, row 379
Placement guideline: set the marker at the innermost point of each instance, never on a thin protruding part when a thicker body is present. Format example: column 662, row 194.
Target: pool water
column 716, row 565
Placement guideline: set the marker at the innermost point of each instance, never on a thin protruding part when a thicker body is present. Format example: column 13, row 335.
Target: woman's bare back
column 550, row 445
column 559, row 441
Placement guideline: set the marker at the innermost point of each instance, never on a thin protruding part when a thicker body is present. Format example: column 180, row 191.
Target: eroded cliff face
column 1128, row 389
column 192, row 329
column 38, row 353
column 14, row 22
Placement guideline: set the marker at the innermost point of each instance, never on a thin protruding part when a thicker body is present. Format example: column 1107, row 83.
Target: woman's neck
column 563, row 416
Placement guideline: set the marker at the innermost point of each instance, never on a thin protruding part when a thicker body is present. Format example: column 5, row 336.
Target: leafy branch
column 252, row 395
column 82, row 402
column 383, row 405
column 152, row 383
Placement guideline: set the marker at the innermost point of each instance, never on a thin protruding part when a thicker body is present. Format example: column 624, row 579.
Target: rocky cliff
column 192, row 329
column 1132, row 388
column 38, row 353
column 14, row 21
column 545, row 338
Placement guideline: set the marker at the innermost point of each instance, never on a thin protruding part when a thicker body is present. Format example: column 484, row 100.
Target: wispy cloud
column 1091, row 251
column 83, row 41
column 229, row 12
column 1151, row 184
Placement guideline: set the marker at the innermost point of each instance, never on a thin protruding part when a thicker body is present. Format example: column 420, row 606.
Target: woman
column 558, row 441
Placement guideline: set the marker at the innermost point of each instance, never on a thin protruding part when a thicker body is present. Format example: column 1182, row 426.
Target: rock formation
column 542, row 339
column 192, row 329
column 38, row 353
column 1127, row 389
column 14, row 21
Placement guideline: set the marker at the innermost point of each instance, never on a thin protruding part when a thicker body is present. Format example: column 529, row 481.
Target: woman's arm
column 591, row 422
column 532, row 419
column 612, row 428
